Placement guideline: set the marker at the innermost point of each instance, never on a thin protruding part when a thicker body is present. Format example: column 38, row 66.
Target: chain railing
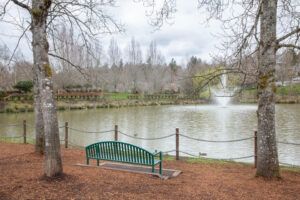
column 176, row 134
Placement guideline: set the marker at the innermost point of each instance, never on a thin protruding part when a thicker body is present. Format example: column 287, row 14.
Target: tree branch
column 4, row 8
column 288, row 46
column 297, row 30
column 253, row 28
column 78, row 68
column 19, row 40
column 22, row 5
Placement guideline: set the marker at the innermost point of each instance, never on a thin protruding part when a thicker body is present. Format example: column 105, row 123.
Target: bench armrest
column 160, row 155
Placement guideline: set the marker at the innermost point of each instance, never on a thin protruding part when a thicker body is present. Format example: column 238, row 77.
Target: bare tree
column 89, row 19
column 251, row 28
column 6, row 80
column 154, row 56
column 114, row 52
column 134, row 52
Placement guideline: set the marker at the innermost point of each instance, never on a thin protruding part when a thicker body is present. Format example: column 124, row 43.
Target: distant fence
column 64, row 96
column 98, row 95
column 176, row 134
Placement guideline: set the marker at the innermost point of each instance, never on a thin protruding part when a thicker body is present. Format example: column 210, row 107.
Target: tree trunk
column 43, row 78
column 39, row 122
column 267, row 158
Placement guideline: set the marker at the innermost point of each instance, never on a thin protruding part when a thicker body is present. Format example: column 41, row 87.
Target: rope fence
column 81, row 131
column 287, row 164
column 140, row 138
column 176, row 134
column 291, row 143
column 216, row 141
column 166, row 152
column 30, row 125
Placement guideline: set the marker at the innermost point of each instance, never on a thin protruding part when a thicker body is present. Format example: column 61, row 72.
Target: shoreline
column 22, row 107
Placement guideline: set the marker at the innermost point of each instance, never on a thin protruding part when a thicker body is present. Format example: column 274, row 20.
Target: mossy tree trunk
column 267, row 163
column 44, row 87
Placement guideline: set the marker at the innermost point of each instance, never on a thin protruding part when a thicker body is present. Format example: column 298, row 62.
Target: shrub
column 10, row 110
column 24, row 86
column 60, row 108
column 22, row 110
column 2, row 94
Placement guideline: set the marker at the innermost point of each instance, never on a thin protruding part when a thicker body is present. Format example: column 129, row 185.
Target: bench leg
column 152, row 168
column 160, row 168
column 97, row 162
column 87, row 161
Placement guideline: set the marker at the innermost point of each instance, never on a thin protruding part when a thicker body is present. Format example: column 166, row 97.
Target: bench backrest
column 119, row 151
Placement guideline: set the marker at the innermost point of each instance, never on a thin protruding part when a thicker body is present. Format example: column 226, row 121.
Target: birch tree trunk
column 267, row 162
column 43, row 80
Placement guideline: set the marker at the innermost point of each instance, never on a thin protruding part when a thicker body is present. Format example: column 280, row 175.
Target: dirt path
column 21, row 177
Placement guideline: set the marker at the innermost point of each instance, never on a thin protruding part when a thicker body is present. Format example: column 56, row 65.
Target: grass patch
column 292, row 169
column 16, row 140
column 112, row 95
column 281, row 91
column 168, row 158
column 17, row 105
column 203, row 160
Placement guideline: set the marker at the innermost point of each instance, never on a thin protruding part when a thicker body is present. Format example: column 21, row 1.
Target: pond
column 207, row 122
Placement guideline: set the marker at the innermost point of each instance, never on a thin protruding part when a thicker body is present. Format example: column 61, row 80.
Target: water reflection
column 201, row 121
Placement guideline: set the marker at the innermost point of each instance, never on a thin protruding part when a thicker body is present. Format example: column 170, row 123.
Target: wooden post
column 255, row 149
column 177, row 143
column 24, row 130
column 116, row 132
column 66, row 134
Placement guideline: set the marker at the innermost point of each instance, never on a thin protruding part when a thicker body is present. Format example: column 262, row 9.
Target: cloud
column 186, row 36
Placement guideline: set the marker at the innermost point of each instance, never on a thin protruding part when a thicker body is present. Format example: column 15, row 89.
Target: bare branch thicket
column 86, row 19
column 69, row 62
column 134, row 52
column 243, row 40
column 159, row 12
column 114, row 52
column 18, row 43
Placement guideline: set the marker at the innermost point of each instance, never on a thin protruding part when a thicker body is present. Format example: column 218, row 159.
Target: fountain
column 223, row 94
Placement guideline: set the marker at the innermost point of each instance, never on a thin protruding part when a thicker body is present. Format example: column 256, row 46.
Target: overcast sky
column 185, row 37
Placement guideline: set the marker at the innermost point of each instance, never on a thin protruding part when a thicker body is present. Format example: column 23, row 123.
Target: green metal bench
column 122, row 152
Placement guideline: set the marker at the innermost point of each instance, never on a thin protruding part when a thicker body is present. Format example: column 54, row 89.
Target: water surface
column 207, row 122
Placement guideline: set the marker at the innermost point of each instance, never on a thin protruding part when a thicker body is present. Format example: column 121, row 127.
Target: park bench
column 122, row 152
